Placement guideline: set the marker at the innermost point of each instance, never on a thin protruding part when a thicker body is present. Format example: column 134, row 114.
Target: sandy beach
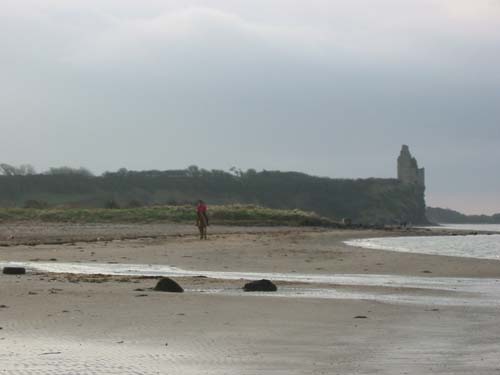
column 83, row 324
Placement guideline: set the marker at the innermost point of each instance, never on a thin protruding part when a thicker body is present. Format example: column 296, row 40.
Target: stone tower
column 408, row 170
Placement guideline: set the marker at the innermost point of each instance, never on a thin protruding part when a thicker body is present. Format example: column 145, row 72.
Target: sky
column 331, row 88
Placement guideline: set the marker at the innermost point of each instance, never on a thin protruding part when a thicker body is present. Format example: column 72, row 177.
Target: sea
column 483, row 245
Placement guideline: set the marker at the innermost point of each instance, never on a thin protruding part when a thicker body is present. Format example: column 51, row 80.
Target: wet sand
column 71, row 324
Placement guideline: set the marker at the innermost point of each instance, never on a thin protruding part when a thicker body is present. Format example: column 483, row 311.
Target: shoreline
column 13, row 233
column 274, row 249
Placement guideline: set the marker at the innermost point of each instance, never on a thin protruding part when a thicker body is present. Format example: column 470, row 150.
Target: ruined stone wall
column 408, row 171
column 421, row 177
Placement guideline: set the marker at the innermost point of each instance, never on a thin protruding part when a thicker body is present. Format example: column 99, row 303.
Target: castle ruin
column 408, row 170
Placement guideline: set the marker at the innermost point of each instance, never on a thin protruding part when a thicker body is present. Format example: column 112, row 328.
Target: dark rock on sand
column 14, row 270
column 260, row 286
column 166, row 284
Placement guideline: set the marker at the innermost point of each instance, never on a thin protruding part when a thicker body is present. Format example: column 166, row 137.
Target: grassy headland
column 364, row 201
column 222, row 214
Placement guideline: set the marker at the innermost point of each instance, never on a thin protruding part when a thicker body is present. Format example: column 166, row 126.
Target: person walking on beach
column 202, row 219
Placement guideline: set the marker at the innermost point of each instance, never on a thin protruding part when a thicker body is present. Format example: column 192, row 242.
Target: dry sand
column 67, row 324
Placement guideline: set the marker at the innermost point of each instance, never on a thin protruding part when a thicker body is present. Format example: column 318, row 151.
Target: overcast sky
column 331, row 88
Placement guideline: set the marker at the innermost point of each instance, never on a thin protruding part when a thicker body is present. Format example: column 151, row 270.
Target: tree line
column 29, row 170
column 362, row 200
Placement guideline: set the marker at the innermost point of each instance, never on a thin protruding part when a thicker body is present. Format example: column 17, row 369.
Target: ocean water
column 480, row 246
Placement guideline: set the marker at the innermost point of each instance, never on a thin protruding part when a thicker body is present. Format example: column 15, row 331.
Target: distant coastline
column 446, row 215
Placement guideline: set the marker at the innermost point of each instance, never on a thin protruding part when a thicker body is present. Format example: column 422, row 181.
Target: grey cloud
column 333, row 89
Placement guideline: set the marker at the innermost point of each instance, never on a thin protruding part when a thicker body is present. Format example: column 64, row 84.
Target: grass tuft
column 223, row 214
